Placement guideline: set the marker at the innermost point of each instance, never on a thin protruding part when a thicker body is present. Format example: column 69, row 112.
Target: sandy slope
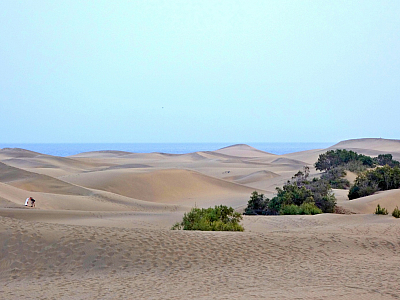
column 101, row 229
column 325, row 257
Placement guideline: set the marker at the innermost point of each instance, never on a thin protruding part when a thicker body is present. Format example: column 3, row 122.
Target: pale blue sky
column 199, row 71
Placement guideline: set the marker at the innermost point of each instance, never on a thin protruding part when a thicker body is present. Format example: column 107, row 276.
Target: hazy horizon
column 68, row 149
column 198, row 71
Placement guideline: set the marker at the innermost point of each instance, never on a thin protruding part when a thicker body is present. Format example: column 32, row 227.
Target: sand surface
column 100, row 229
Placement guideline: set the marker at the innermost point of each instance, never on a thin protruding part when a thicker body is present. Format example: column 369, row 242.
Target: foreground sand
column 101, row 230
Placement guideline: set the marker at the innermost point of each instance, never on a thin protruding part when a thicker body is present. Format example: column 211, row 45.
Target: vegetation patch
column 303, row 209
column 384, row 176
column 298, row 196
column 301, row 195
column 380, row 210
column 378, row 179
column 219, row 218
column 396, row 212
column 341, row 157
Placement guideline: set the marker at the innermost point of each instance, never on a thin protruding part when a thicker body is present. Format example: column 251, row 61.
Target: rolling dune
column 164, row 186
column 34, row 182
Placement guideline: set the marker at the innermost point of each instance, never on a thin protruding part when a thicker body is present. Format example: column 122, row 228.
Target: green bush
column 378, row 179
column 219, row 218
column 309, row 209
column 290, row 209
column 297, row 191
column 257, row 205
column 396, row 212
column 341, row 157
column 304, row 209
column 335, row 178
column 380, row 210
column 386, row 159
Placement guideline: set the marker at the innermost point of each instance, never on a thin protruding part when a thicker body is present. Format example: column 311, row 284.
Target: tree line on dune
column 302, row 195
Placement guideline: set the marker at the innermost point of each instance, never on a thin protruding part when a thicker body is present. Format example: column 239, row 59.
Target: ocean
column 67, row 149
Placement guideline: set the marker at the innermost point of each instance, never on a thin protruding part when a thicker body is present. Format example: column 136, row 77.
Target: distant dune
column 372, row 147
column 242, row 151
column 100, row 229
column 370, row 144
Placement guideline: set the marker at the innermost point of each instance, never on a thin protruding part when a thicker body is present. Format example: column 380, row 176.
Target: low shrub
column 290, row 209
column 219, row 218
column 396, row 212
column 303, row 209
column 380, row 210
column 335, row 178
column 309, row 209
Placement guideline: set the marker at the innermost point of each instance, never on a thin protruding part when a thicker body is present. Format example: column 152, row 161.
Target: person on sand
column 32, row 202
column 27, row 201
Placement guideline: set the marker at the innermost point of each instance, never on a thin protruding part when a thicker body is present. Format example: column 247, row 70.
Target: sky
column 198, row 71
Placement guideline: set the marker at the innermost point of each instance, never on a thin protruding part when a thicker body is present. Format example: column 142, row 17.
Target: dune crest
column 242, row 150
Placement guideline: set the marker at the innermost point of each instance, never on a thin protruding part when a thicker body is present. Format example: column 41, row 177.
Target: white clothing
column 26, row 201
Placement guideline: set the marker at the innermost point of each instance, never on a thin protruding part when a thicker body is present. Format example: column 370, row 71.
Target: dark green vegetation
column 303, row 209
column 298, row 196
column 368, row 181
column 219, row 218
column 350, row 160
column 378, row 179
column 335, row 178
column 386, row 159
column 396, row 212
column 302, row 195
column 380, row 210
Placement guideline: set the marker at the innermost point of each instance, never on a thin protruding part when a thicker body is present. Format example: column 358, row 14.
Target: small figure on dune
column 33, row 202
column 27, row 201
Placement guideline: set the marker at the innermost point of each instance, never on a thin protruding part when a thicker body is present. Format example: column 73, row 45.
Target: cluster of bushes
column 219, row 218
column 342, row 157
column 352, row 161
column 378, row 179
column 335, row 178
column 383, row 211
column 298, row 196
column 335, row 162
column 303, row 209
column 386, row 159
column 318, row 192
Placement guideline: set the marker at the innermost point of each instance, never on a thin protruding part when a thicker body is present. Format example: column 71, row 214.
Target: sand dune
column 101, row 154
column 101, row 229
column 253, row 177
column 370, row 144
column 290, row 257
column 309, row 156
column 242, row 150
column 371, row 147
column 288, row 161
column 367, row 205
column 17, row 153
column 34, row 182
column 164, row 186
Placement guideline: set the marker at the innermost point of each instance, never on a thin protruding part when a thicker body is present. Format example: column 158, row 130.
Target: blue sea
column 60, row 149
